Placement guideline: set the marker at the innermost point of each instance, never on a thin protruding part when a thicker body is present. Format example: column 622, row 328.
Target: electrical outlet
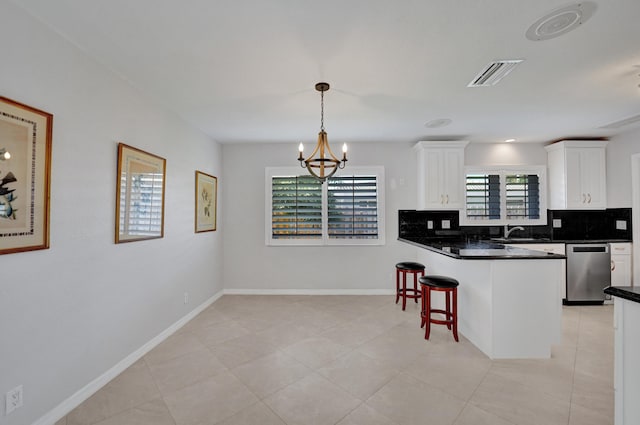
column 186, row 298
column 14, row 399
column 429, row 224
column 446, row 224
column 621, row 224
column 557, row 223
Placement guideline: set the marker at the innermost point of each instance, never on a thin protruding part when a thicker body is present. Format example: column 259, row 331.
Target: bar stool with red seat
column 404, row 292
column 449, row 286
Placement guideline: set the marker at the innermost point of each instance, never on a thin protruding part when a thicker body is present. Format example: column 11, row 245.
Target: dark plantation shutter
column 353, row 207
column 483, row 196
column 296, row 208
column 523, row 196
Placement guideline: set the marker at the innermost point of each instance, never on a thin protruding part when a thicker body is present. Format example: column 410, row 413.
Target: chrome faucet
column 508, row 231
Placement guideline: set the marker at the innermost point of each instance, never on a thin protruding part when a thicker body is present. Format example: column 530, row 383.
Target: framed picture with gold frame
column 206, row 202
column 139, row 195
column 25, row 176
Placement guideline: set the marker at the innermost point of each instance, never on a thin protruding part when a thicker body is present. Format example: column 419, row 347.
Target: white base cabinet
column 626, row 381
column 553, row 248
column 621, row 264
column 509, row 309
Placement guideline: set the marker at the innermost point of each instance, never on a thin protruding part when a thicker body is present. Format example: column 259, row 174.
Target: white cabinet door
column 592, row 170
column 434, row 168
column 620, row 264
column 453, row 178
column 576, row 198
column 577, row 175
column 440, row 175
column 585, row 178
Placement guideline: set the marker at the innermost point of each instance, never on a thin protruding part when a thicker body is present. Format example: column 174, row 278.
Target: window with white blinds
column 505, row 196
column 348, row 209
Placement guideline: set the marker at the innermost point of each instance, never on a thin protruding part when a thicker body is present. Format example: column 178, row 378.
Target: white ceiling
column 245, row 70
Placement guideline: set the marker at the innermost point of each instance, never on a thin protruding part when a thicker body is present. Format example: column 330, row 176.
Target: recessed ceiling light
column 560, row 21
column 440, row 122
column 510, row 140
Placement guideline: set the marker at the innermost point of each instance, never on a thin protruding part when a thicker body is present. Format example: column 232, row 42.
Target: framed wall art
column 206, row 202
column 139, row 195
column 25, row 172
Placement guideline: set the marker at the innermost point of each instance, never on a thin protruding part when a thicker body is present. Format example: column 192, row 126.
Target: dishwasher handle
column 602, row 248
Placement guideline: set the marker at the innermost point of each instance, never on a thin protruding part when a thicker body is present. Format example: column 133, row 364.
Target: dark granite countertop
column 478, row 250
column 547, row 240
column 630, row 293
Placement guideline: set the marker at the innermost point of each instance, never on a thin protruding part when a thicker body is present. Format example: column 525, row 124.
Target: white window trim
column 503, row 170
column 378, row 171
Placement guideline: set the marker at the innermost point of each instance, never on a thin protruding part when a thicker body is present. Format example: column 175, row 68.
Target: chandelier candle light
column 326, row 164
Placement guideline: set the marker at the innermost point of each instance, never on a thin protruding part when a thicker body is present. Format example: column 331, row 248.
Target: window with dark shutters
column 510, row 195
column 296, row 207
column 345, row 210
column 353, row 207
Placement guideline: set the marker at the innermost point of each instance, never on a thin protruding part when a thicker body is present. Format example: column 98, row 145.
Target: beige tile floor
column 351, row 360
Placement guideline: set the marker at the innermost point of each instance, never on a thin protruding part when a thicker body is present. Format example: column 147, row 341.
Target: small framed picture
column 139, row 195
column 25, row 173
column 206, row 202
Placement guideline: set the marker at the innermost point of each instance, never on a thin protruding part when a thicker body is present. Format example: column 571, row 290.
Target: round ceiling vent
column 560, row 21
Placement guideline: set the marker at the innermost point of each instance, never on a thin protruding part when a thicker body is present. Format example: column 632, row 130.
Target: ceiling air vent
column 627, row 121
column 494, row 72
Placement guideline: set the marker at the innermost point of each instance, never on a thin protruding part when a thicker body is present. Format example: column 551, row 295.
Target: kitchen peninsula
column 509, row 299
column 626, row 381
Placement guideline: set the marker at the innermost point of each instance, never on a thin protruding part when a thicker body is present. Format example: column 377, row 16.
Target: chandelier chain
column 322, row 110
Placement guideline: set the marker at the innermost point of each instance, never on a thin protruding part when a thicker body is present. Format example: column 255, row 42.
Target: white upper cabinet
column 441, row 175
column 577, row 174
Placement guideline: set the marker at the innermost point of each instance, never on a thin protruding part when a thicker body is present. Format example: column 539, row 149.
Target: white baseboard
column 310, row 291
column 92, row 387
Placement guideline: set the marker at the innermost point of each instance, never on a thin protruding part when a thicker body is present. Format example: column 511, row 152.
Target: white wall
column 249, row 264
column 505, row 154
column 69, row 313
column 619, row 151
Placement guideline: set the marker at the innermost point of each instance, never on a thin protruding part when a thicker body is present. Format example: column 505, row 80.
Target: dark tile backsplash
column 575, row 225
column 591, row 224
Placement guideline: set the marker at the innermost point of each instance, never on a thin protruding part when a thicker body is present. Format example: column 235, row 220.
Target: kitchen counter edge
column 529, row 255
column 630, row 293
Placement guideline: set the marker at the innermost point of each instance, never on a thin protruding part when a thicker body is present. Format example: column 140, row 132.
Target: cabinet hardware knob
column 613, row 265
column 584, row 198
column 589, row 197
column 447, row 199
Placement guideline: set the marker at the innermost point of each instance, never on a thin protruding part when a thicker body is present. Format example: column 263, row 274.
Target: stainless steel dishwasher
column 588, row 272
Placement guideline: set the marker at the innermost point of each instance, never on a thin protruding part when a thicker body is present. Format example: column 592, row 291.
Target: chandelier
column 322, row 163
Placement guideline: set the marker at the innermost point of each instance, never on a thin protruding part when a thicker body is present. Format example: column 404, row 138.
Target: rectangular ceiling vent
column 627, row 121
column 494, row 72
